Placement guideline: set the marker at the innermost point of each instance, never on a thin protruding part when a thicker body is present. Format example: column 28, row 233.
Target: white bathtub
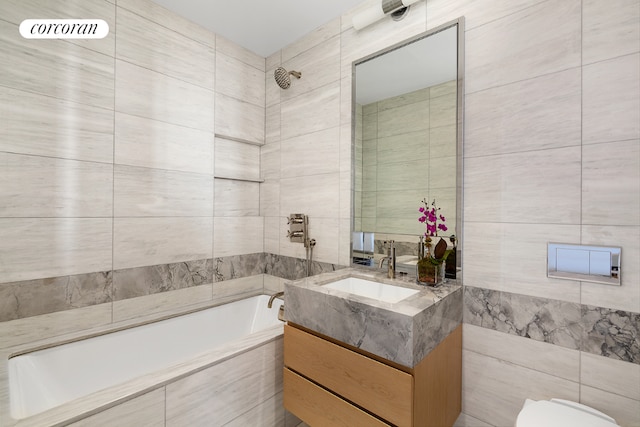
column 48, row 378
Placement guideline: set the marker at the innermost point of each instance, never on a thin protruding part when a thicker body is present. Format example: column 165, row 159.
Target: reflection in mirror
column 406, row 145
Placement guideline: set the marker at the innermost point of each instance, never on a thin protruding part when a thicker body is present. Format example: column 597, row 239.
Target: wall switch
column 600, row 263
column 574, row 260
column 597, row 264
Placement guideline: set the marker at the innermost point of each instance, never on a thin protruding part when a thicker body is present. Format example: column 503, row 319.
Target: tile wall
column 552, row 153
column 130, row 165
column 307, row 159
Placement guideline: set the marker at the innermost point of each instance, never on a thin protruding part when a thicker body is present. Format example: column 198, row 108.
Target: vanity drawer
column 316, row 406
column 382, row 389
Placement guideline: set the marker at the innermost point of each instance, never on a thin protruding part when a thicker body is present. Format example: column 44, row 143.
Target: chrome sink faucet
column 391, row 260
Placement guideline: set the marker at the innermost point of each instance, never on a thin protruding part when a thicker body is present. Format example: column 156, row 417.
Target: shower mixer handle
column 297, row 228
column 299, row 233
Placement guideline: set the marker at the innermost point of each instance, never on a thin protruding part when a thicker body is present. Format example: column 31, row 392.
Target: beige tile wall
column 304, row 130
column 108, row 147
column 552, row 107
column 500, row 371
column 306, row 161
column 551, row 154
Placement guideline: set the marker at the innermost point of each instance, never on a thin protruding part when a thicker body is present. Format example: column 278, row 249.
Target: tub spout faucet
column 274, row 296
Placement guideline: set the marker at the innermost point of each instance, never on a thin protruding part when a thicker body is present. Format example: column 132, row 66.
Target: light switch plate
column 586, row 263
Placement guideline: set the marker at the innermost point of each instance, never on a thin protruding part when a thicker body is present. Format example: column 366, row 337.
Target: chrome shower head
column 282, row 77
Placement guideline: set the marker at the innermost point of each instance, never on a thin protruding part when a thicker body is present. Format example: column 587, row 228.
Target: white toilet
column 561, row 413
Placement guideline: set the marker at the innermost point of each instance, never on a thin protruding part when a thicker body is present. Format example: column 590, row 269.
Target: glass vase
column 429, row 273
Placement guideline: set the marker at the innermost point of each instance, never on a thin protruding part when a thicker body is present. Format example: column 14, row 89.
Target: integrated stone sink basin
column 395, row 319
column 375, row 290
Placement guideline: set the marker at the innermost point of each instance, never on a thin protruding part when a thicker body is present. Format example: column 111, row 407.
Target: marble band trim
column 41, row 296
column 601, row 331
column 237, row 266
column 611, row 333
column 148, row 280
column 28, row 298
column 295, row 268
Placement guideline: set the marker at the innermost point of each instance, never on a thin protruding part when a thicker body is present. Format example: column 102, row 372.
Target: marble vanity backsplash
column 402, row 248
column 596, row 330
column 42, row 296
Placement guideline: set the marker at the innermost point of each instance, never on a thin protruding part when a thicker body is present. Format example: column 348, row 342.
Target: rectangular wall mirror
column 407, row 144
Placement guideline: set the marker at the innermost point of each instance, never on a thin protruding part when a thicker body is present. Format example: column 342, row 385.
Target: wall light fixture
column 374, row 14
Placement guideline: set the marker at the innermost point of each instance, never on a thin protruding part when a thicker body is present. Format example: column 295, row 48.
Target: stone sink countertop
column 403, row 332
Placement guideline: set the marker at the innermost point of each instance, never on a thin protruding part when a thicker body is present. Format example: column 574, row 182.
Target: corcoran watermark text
column 64, row 29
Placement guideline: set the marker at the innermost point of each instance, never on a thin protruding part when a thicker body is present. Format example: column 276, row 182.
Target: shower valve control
column 297, row 228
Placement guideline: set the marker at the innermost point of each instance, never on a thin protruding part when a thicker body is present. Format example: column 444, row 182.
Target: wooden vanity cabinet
column 328, row 383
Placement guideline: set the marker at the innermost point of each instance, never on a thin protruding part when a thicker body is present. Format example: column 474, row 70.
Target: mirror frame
column 459, row 131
